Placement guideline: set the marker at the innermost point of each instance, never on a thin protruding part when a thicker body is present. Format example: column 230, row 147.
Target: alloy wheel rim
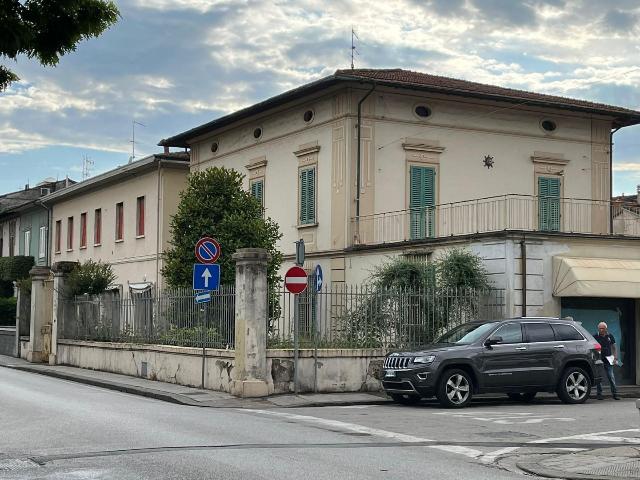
column 576, row 386
column 457, row 389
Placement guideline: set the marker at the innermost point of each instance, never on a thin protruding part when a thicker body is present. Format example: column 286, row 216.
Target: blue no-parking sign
column 207, row 250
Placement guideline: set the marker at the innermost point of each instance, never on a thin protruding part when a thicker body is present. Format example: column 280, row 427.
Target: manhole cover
column 629, row 469
column 13, row 464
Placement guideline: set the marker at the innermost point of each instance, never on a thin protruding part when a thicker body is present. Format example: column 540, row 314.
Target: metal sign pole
column 295, row 344
column 315, row 340
column 204, row 330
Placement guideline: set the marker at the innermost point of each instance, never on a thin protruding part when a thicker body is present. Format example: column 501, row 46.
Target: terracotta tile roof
column 622, row 117
column 452, row 85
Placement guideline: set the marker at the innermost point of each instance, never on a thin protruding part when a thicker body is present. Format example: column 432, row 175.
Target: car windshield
column 467, row 333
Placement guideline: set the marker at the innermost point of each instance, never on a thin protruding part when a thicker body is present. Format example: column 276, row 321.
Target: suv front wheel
column 455, row 389
column 574, row 386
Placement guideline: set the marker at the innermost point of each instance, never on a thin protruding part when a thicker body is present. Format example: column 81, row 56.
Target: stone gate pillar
column 250, row 371
column 61, row 271
column 40, row 329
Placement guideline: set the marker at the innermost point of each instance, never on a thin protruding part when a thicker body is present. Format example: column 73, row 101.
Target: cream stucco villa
column 521, row 178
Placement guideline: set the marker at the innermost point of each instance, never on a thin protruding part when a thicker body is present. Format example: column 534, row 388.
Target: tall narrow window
column 58, row 235
column 140, row 217
column 27, row 243
column 42, row 246
column 422, row 200
column 257, row 190
column 70, row 233
column 549, row 204
column 119, row 221
column 97, row 227
column 12, row 238
column 83, row 230
column 307, row 190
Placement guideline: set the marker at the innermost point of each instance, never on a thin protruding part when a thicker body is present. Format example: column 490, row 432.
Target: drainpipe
column 358, row 160
column 523, row 260
column 611, row 178
column 158, row 226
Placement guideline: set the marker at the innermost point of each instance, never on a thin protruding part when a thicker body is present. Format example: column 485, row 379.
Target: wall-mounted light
column 488, row 161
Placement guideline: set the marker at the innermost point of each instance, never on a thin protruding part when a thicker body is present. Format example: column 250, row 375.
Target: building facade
column 24, row 223
column 121, row 217
column 366, row 165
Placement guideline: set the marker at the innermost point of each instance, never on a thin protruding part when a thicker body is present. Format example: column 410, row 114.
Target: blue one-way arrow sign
column 206, row 277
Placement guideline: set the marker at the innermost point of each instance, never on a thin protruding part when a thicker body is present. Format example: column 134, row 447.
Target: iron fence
column 372, row 317
column 168, row 317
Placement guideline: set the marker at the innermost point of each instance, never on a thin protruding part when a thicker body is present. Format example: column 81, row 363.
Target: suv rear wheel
column 405, row 399
column 574, row 386
column 455, row 389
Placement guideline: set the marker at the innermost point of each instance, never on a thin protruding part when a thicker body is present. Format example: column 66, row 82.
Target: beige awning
column 596, row 277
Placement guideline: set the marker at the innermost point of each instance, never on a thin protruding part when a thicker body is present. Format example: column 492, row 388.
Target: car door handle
column 521, row 348
column 558, row 346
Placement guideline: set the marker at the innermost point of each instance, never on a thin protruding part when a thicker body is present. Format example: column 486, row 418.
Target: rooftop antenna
column 354, row 51
column 133, row 139
column 87, row 164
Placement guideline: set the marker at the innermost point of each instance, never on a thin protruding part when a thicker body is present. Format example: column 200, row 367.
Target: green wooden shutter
column 549, row 204
column 422, row 197
column 307, row 196
column 257, row 189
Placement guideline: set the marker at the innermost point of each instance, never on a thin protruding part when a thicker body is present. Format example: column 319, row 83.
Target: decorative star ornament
column 488, row 161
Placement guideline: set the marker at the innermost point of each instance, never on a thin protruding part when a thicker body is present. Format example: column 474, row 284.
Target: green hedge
column 8, row 311
column 15, row 268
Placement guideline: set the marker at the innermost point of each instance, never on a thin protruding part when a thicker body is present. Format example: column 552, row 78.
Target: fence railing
column 369, row 317
column 168, row 317
column 498, row 213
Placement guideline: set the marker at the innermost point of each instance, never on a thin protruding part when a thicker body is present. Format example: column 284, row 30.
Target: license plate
column 390, row 373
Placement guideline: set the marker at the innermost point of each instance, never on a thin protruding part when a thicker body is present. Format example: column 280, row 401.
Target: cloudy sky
column 174, row 64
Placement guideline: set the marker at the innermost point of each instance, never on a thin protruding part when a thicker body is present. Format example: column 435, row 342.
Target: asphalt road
column 55, row 429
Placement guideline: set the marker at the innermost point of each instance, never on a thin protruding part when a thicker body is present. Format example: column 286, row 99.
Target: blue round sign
column 319, row 278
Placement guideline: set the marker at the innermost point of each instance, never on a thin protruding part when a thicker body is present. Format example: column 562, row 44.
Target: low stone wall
column 180, row 365
column 338, row 370
column 8, row 341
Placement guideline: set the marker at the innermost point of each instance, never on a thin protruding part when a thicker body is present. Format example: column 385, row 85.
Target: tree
column 215, row 204
column 49, row 29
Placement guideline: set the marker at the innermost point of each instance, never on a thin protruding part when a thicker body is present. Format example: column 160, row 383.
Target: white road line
column 491, row 456
column 596, row 436
column 400, row 437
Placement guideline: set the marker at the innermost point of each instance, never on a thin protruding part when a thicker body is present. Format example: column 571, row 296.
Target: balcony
column 494, row 214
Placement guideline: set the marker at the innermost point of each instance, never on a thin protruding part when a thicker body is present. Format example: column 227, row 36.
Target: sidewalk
column 601, row 464
column 195, row 397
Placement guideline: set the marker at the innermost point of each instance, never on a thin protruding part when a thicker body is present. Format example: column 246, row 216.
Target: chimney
column 26, row 187
column 638, row 195
column 166, row 152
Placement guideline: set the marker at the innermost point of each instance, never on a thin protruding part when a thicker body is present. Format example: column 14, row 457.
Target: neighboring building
column 120, row 217
column 523, row 179
column 626, row 214
column 24, row 223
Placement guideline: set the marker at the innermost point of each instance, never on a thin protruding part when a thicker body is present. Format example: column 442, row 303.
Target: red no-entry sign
column 295, row 280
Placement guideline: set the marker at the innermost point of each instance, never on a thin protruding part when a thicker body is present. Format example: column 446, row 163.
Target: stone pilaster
column 250, row 371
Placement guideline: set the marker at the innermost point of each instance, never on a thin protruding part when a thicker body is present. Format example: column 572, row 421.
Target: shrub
column 91, row 278
column 15, row 268
column 8, row 311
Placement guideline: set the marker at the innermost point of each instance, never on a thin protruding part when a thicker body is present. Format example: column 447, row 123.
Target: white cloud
column 626, row 167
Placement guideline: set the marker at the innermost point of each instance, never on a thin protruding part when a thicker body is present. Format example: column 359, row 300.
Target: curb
column 535, row 468
column 176, row 398
column 120, row 387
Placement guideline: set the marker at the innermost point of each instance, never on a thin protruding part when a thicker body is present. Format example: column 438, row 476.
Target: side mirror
column 492, row 341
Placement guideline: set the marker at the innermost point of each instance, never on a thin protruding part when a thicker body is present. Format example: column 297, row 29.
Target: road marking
column 352, row 427
column 491, row 456
column 596, row 437
column 512, row 418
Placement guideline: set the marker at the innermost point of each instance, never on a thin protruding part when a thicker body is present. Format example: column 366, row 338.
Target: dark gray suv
column 519, row 357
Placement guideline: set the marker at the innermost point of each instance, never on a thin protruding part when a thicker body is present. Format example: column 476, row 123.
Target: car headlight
column 425, row 360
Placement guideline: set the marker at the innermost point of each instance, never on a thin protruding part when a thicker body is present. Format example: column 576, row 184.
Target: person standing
column 609, row 355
